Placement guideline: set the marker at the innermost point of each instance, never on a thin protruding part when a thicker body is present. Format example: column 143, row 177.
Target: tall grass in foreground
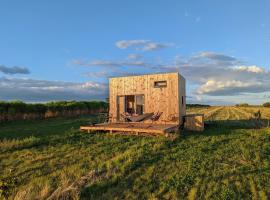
column 52, row 159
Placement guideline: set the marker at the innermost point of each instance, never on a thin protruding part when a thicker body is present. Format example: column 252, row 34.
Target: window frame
column 163, row 84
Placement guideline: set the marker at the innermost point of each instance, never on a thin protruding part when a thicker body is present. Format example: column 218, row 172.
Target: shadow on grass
column 127, row 177
column 239, row 124
column 41, row 128
column 226, row 127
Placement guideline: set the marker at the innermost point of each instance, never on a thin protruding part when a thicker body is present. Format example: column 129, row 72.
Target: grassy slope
column 228, row 160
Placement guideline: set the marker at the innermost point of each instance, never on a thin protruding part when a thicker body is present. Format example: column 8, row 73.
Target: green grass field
column 53, row 159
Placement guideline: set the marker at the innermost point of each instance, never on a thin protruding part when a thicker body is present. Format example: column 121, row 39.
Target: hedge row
column 197, row 105
column 16, row 110
column 242, row 105
column 19, row 107
column 266, row 104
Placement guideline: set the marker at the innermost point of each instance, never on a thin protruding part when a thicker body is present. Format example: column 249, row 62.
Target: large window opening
column 132, row 104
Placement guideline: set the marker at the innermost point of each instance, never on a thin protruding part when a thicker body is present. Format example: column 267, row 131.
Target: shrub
column 3, row 107
column 36, row 108
column 197, row 106
column 16, row 107
column 242, row 105
column 267, row 104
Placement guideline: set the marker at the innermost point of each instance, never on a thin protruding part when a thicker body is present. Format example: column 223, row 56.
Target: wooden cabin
column 140, row 95
column 149, row 93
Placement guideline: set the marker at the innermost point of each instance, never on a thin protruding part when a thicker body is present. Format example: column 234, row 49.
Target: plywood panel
column 194, row 122
column 121, row 107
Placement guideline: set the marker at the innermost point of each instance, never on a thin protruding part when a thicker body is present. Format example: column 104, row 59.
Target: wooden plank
column 129, row 127
column 121, row 107
column 123, row 129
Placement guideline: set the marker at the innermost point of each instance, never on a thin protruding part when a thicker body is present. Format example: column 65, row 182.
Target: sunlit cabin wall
column 164, row 99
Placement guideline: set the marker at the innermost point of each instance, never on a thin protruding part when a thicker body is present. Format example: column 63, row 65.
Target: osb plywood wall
column 166, row 99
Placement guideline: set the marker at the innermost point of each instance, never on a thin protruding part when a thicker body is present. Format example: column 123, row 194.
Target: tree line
column 18, row 110
column 266, row 104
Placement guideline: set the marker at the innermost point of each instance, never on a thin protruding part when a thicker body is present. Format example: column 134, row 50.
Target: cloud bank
column 43, row 90
column 210, row 73
column 14, row 70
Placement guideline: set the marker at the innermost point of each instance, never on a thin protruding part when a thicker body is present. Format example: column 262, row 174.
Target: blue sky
column 64, row 50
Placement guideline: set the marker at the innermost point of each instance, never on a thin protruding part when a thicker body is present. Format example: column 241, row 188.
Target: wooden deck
column 137, row 128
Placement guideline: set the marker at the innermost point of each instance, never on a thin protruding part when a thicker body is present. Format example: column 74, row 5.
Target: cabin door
column 121, row 107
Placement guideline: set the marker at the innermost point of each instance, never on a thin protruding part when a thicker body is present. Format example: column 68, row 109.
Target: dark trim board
column 137, row 128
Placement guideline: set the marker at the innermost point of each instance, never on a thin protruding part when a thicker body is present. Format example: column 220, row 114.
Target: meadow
column 52, row 159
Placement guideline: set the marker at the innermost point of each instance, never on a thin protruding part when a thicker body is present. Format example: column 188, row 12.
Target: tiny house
column 162, row 97
column 151, row 93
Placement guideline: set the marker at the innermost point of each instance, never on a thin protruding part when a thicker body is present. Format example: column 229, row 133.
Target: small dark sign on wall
column 160, row 84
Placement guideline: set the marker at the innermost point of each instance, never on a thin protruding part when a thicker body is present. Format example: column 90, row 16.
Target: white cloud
column 218, row 74
column 143, row 45
column 134, row 56
column 111, row 73
column 151, row 46
column 104, row 63
column 251, row 69
column 89, row 85
column 214, row 56
column 210, row 74
column 124, row 44
column 43, row 90
column 214, row 86
column 110, row 64
column 99, row 74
